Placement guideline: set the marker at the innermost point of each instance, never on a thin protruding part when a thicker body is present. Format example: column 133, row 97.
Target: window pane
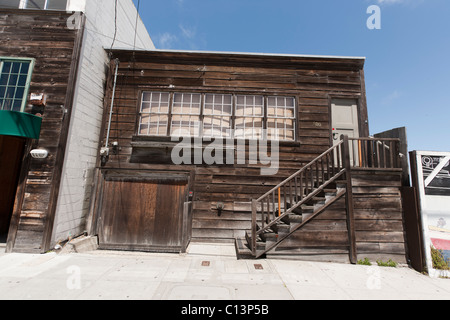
column 218, row 104
column 249, row 116
column 144, row 125
column 25, row 68
column 281, row 118
column 10, row 92
column 146, row 96
column 249, row 128
column 7, row 104
column 281, row 129
column 155, row 102
column 4, row 79
column 281, row 107
column 13, row 80
column 145, row 107
column 57, row 5
column 158, row 125
column 217, row 127
column 9, row 3
column 154, row 113
column 16, row 67
column 35, row 4
column 2, row 91
column 22, row 80
column 6, row 67
column 186, row 103
column 155, row 125
column 17, row 105
column 252, row 106
column 185, row 126
column 19, row 93
column 289, row 113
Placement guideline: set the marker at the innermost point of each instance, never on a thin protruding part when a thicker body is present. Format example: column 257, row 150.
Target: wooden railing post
column 186, row 236
column 254, row 209
column 349, row 199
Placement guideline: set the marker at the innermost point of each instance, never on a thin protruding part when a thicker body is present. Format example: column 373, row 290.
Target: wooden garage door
column 142, row 214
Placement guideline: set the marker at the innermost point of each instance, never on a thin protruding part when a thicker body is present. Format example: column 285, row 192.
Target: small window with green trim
column 15, row 78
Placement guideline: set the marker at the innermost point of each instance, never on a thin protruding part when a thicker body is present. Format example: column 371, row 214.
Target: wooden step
column 281, row 228
column 295, row 218
column 269, row 236
column 306, row 216
column 296, row 210
column 243, row 249
column 259, row 242
column 307, row 209
column 319, row 200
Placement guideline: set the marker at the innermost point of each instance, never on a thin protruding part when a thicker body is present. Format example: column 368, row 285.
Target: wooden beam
column 349, row 204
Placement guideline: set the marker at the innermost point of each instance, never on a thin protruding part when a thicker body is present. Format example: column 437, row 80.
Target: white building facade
column 107, row 24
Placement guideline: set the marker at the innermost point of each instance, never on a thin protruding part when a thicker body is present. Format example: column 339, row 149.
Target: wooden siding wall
column 311, row 80
column 44, row 36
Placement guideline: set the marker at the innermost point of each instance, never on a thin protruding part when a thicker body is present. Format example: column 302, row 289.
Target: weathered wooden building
column 271, row 152
column 53, row 69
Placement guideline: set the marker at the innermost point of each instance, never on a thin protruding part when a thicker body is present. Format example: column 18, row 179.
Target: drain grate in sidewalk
column 206, row 263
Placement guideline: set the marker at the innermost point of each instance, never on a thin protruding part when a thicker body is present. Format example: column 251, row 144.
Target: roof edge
column 256, row 54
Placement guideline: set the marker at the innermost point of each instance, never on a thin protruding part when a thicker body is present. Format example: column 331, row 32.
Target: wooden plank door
column 142, row 215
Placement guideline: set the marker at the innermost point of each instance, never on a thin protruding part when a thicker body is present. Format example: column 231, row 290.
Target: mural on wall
column 433, row 185
column 436, row 180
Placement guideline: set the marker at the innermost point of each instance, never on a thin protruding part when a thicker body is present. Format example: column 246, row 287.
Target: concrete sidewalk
column 206, row 272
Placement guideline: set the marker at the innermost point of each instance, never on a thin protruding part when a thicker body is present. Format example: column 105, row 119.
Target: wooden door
column 142, row 214
column 11, row 154
column 344, row 113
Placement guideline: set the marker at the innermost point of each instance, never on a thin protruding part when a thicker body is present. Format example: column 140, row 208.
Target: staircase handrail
column 334, row 163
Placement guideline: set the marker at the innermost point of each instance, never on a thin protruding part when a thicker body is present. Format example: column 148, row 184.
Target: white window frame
column 285, row 116
column 194, row 121
column 196, row 118
column 23, row 5
column 256, row 132
column 155, row 113
column 31, row 62
column 221, row 115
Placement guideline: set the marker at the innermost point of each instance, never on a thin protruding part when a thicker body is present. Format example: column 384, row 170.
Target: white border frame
column 434, row 273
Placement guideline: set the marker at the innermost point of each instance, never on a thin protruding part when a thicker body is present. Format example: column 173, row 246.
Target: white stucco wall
column 82, row 147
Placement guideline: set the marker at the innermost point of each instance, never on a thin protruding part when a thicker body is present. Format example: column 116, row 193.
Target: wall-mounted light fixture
column 39, row 153
column 220, row 206
column 38, row 99
column 115, row 148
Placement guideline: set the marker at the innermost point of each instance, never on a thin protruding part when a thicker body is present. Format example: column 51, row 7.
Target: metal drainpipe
column 112, row 102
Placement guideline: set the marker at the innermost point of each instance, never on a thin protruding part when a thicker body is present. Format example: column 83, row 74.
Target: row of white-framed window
column 35, row 4
column 214, row 115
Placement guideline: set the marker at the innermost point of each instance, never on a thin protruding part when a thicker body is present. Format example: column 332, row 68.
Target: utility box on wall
column 431, row 178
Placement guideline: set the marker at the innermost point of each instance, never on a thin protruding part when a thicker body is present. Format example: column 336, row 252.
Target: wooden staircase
column 302, row 197
column 299, row 217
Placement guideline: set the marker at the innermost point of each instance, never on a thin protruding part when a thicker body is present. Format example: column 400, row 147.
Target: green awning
column 19, row 124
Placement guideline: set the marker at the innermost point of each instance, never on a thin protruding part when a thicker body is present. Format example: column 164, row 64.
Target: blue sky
column 408, row 59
